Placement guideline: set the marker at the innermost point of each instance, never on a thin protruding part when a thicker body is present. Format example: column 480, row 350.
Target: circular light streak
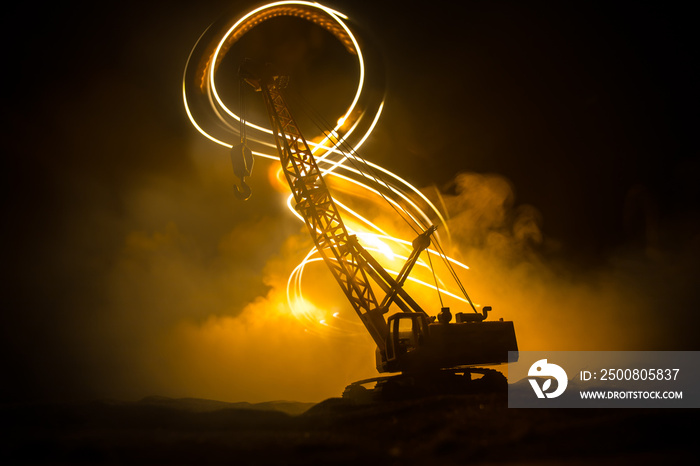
column 211, row 116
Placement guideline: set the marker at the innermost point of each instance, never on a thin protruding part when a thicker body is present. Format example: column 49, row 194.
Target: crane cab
column 407, row 332
column 415, row 343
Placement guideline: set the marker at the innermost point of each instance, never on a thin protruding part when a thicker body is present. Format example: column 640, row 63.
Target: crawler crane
column 430, row 352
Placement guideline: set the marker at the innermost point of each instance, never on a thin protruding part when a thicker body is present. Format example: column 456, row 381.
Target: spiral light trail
column 210, row 116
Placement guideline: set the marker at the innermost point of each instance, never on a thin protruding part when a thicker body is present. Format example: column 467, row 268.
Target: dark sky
column 579, row 106
column 589, row 112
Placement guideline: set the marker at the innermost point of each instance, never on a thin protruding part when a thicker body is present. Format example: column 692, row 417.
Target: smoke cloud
column 195, row 299
column 198, row 306
column 555, row 304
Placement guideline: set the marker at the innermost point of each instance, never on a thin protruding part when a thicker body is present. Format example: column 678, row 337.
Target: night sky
column 584, row 116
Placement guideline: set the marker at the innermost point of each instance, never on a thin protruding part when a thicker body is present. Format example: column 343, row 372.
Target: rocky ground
column 460, row 429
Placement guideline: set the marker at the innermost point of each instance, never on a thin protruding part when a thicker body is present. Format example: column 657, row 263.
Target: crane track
column 453, row 381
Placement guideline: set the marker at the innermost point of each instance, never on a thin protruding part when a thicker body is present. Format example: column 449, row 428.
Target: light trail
column 211, row 116
column 305, row 311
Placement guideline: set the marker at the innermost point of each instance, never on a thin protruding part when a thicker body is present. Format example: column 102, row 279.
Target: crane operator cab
column 418, row 343
column 407, row 332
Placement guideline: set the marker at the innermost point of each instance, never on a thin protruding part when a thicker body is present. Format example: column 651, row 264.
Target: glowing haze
column 132, row 270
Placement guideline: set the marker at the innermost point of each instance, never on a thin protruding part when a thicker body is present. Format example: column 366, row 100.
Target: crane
column 409, row 341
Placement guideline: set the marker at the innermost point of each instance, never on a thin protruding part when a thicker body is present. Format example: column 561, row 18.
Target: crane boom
column 315, row 204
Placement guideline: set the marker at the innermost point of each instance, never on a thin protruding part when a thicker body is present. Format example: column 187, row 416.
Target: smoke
column 196, row 305
column 182, row 291
column 555, row 304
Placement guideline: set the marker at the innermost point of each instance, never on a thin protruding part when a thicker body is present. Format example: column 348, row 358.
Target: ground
column 464, row 429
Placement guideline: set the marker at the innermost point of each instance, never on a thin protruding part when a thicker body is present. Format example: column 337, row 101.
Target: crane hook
column 242, row 160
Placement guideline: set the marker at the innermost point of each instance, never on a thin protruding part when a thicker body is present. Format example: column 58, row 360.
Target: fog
column 567, row 175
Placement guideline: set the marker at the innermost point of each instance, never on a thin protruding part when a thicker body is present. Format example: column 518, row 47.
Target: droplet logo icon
column 542, row 368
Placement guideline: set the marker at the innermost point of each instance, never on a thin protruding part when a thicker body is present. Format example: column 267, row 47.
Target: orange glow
column 276, row 179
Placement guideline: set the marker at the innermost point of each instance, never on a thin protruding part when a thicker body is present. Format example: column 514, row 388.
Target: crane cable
column 243, row 119
column 437, row 287
column 453, row 273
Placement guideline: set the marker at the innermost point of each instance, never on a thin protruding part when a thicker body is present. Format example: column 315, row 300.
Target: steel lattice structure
column 340, row 251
